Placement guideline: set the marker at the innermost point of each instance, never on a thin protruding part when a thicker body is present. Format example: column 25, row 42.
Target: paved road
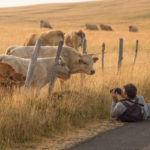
column 132, row 136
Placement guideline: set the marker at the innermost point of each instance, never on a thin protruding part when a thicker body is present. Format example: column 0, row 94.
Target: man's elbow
column 113, row 115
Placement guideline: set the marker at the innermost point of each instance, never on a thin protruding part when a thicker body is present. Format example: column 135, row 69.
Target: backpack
column 133, row 112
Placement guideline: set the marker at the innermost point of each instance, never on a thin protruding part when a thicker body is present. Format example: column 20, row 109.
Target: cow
column 8, row 85
column 75, row 39
column 91, row 27
column 105, row 27
column 77, row 63
column 50, row 38
column 9, row 78
column 9, row 72
column 45, row 24
column 43, row 69
column 133, row 29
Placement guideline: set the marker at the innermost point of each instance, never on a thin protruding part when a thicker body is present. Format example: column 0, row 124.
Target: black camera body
column 116, row 90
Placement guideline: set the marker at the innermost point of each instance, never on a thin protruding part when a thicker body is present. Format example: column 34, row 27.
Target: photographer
column 131, row 108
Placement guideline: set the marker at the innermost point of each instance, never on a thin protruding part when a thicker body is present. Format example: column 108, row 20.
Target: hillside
column 116, row 12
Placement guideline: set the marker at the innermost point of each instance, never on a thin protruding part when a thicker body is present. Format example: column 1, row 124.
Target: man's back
column 117, row 109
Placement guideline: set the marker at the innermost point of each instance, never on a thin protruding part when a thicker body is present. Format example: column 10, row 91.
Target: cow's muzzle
column 92, row 72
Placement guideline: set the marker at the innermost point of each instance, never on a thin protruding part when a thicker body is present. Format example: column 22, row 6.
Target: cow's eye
column 11, row 78
column 84, row 63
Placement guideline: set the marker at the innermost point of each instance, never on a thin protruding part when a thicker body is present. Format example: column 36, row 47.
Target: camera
column 116, row 90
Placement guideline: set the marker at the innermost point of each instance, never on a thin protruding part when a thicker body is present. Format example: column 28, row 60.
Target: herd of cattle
column 17, row 58
column 14, row 63
column 45, row 24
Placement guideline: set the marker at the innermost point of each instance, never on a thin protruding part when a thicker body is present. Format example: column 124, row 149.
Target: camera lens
column 118, row 90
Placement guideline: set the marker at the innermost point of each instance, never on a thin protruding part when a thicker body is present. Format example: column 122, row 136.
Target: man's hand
column 114, row 96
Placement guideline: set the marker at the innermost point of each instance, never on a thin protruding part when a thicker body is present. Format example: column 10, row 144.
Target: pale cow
column 76, row 62
column 45, row 24
column 43, row 69
column 50, row 38
column 91, row 27
column 75, row 39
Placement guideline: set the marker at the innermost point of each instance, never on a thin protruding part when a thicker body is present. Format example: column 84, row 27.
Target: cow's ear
column 95, row 59
column 81, row 61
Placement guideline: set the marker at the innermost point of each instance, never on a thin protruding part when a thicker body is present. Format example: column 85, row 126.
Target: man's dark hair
column 130, row 90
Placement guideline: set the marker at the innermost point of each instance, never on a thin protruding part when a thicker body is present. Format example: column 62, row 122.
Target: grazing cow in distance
column 50, row 38
column 43, row 69
column 91, row 27
column 133, row 29
column 105, row 27
column 45, row 24
column 75, row 39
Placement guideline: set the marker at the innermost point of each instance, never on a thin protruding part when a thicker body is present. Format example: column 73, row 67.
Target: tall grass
column 24, row 118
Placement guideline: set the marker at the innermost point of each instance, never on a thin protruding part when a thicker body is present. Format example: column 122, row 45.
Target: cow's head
column 84, row 64
column 81, row 37
column 63, row 71
column 81, row 34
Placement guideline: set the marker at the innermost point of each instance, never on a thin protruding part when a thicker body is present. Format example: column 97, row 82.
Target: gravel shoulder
column 71, row 138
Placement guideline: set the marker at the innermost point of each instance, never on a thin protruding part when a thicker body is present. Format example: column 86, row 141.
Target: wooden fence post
column 82, row 75
column 120, row 53
column 103, row 50
column 136, row 51
column 32, row 63
column 53, row 76
column 84, row 47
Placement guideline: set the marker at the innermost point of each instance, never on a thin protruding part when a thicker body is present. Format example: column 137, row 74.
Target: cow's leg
column 39, row 85
column 37, row 93
column 62, row 86
column 82, row 77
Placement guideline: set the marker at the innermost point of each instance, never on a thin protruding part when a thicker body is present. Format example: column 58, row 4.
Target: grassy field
column 23, row 118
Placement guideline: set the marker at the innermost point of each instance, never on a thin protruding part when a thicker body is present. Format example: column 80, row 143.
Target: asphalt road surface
column 131, row 136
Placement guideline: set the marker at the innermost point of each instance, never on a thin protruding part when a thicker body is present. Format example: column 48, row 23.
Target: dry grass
column 24, row 118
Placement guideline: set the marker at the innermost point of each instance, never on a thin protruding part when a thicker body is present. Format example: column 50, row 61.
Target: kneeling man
column 131, row 108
